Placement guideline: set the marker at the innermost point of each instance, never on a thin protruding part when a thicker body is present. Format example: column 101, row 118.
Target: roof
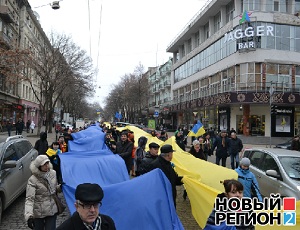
column 277, row 151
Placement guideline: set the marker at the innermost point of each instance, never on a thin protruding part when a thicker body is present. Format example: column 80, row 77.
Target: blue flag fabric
column 144, row 203
column 101, row 167
column 89, row 139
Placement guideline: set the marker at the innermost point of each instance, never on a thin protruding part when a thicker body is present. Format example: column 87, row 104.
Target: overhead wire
column 90, row 38
column 99, row 36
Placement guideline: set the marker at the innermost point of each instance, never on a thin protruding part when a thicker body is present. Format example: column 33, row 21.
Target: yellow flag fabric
column 202, row 179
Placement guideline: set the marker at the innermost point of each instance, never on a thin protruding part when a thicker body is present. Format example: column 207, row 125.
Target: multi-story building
column 160, row 94
column 10, row 107
column 20, row 29
column 32, row 37
column 233, row 61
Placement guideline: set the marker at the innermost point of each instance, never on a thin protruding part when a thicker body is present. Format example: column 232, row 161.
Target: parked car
column 277, row 170
column 16, row 154
column 285, row 145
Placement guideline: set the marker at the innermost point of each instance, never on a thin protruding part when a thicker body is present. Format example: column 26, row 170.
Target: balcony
column 5, row 14
column 167, row 83
column 167, row 99
column 5, row 39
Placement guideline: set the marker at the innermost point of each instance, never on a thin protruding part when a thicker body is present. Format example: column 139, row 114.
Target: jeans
column 223, row 161
column 235, row 158
column 46, row 223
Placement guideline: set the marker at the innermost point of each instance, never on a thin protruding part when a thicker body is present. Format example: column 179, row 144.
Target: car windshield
column 291, row 166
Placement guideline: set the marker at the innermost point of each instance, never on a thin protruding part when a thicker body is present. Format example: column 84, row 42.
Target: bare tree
column 57, row 66
column 129, row 97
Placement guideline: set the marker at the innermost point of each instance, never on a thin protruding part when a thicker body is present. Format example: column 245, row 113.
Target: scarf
column 96, row 225
column 51, row 186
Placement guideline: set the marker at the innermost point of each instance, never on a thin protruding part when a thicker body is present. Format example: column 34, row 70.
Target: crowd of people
column 46, row 180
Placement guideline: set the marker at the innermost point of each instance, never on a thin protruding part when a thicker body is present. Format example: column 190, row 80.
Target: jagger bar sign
column 248, row 33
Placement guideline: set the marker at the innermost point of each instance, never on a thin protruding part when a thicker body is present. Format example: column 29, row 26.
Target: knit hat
column 245, row 161
column 41, row 160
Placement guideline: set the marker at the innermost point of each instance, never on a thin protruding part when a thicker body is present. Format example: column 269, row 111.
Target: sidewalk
column 33, row 137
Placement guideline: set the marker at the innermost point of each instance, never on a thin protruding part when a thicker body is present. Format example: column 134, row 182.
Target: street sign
column 156, row 113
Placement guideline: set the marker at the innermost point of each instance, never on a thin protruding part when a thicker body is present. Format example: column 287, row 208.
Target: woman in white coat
column 32, row 126
column 40, row 207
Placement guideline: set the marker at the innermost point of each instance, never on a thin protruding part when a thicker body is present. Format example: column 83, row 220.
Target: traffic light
column 273, row 109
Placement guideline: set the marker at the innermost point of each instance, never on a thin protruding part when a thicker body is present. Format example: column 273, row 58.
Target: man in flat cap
column 163, row 162
column 88, row 201
column 150, row 156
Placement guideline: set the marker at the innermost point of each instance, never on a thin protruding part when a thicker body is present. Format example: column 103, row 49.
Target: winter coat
column 124, row 149
column 75, row 223
column 145, row 164
column 140, row 152
column 32, row 125
column 246, row 177
column 201, row 154
column 39, row 203
column 41, row 145
column 211, row 223
column 221, row 152
column 235, row 146
column 167, row 168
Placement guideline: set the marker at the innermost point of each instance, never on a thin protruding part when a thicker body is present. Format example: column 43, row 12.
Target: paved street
column 13, row 217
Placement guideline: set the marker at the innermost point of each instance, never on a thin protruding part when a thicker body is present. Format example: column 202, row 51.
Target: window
column 23, row 147
column 10, row 154
column 256, row 158
column 276, row 6
column 217, row 22
column 297, row 6
column 229, row 11
column 197, row 39
column 189, row 46
column 269, row 164
column 206, row 31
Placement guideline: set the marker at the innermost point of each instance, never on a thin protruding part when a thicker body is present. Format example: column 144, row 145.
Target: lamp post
column 271, row 101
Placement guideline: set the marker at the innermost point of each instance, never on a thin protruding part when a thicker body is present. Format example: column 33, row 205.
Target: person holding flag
column 197, row 130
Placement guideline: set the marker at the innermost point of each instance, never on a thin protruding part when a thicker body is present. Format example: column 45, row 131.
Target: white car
column 66, row 125
column 276, row 170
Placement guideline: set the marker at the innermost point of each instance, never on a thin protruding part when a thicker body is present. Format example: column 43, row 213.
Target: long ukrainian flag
column 197, row 130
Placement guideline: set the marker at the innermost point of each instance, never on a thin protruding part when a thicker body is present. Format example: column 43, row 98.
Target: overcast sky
column 131, row 32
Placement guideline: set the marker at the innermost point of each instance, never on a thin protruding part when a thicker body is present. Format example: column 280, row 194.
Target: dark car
column 16, row 154
column 285, row 145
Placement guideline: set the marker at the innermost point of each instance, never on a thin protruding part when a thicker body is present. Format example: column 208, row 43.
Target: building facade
column 160, row 95
column 234, row 61
column 20, row 29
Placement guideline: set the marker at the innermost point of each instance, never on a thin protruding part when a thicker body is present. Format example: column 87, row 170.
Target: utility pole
column 271, row 112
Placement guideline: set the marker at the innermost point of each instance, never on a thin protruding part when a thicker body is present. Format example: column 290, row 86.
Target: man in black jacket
column 163, row 162
column 88, row 200
column 222, row 145
column 124, row 149
column 41, row 145
column 235, row 146
column 150, row 156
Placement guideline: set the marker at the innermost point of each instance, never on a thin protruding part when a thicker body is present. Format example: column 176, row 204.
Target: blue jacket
column 246, row 177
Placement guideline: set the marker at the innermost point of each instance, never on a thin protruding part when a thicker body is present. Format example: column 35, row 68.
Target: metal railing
column 257, row 87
